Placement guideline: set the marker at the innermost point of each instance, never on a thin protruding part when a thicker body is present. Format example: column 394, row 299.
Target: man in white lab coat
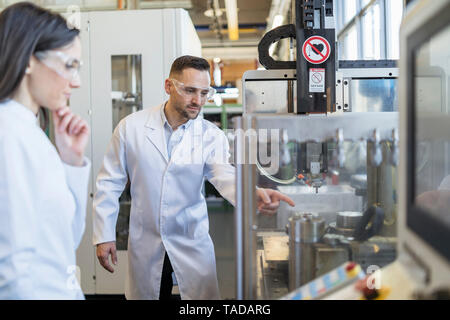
column 167, row 151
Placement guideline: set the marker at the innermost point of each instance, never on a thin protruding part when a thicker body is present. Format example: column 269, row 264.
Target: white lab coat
column 42, row 211
column 168, row 210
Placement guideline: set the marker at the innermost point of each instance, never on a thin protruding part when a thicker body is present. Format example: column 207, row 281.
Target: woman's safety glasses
column 65, row 66
column 192, row 92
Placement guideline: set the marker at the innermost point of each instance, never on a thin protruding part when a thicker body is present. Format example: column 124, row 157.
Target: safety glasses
column 65, row 66
column 191, row 92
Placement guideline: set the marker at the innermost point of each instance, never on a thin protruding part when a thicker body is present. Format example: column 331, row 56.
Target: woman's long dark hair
column 25, row 29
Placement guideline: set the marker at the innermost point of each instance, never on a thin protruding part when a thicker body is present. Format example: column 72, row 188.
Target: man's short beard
column 185, row 114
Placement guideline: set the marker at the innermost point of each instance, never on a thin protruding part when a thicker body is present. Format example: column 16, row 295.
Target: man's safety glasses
column 191, row 92
column 65, row 66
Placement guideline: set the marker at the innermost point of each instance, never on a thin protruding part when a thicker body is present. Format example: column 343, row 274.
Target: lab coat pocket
column 197, row 221
column 136, row 224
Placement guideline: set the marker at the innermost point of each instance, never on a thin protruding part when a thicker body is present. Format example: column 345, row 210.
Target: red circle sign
column 316, row 50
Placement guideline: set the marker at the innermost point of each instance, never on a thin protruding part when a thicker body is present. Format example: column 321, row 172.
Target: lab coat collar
column 155, row 121
column 20, row 110
column 155, row 133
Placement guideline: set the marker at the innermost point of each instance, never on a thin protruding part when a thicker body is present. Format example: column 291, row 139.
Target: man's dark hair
column 185, row 62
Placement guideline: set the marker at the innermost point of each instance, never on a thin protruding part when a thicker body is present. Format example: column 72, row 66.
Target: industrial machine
column 422, row 269
column 326, row 134
column 386, row 239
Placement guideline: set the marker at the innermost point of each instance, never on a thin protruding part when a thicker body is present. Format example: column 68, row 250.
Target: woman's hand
column 71, row 136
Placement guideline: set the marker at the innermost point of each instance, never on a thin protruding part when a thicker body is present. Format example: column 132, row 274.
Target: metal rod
column 290, row 96
column 238, row 212
column 249, row 213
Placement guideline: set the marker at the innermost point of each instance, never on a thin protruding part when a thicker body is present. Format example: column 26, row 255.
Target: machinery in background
column 327, row 138
column 311, row 260
column 422, row 269
column 340, row 224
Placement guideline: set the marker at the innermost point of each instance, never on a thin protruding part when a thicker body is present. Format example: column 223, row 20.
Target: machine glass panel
column 373, row 95
column 340, row 170
column 432, row 127
column 126, row 72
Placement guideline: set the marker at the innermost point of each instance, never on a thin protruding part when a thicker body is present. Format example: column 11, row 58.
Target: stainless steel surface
column 345, row 137
column 348, row 219
column 290, row 95
column 276, row 248
column 238, row 215
column 271, row 278
column 377, row 251
column 304, row 230
column 345, row 223
column 301, row 264
column 357, row 90
column 247, row 217
column 381, row 187
column 352, row 92
column 320, row 128
column 328, row 258
column 258, row 88
column 328, row 199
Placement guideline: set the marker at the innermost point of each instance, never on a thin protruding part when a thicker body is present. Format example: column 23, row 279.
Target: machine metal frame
column 357, row 70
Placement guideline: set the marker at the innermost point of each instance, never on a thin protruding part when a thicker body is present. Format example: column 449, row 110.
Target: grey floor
column 221, row 229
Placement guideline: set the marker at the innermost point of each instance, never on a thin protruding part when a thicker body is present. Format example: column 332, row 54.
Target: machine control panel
column 341, row 277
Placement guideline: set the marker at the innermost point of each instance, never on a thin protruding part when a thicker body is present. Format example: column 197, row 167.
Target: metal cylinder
column 348, row 219
column 346, row 222
column 380, row 188
column 304, row 230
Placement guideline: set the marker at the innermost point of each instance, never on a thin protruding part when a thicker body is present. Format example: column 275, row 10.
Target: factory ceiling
column 252, row 16
column 252, row 20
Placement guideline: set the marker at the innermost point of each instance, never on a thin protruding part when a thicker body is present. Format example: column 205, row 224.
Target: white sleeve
column 18, row 220
column 111, row 182
column 218, row 169
column 77, row 180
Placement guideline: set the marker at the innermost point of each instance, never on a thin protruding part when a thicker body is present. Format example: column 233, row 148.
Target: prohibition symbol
column 316, row 50
column 316, row 78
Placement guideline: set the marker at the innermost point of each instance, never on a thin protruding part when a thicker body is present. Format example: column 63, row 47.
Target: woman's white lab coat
column 42, row 211
column 168, row 209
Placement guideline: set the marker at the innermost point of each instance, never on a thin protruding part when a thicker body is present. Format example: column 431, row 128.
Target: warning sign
column 316, row 80
column 316, row 50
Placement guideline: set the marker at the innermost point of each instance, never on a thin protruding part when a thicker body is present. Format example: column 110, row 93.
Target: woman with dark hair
column 43, row 189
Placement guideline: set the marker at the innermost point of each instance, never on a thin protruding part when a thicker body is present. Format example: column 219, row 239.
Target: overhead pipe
column 232, row 17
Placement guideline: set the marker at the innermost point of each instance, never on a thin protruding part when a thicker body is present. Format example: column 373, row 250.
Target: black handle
column 374, row 214
column 275, row 35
